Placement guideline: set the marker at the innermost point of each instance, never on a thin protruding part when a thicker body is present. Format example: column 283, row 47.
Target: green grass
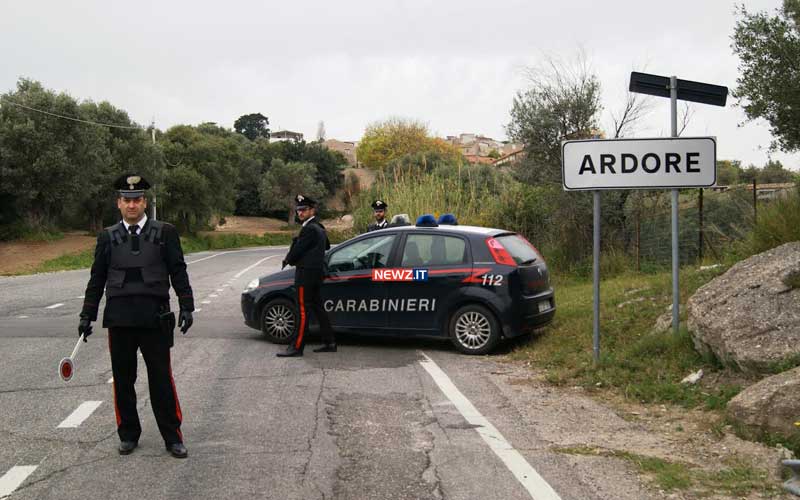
column 643, row 366
column 190, row 244
column 735, row 478
column 77, row 260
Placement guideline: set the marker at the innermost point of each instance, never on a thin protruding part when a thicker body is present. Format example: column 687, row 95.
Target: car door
column 349, row 296
column 417, row 304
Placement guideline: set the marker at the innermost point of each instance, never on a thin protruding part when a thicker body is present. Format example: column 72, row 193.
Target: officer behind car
column 379, row 210
column 134, row 261
column 307, row 254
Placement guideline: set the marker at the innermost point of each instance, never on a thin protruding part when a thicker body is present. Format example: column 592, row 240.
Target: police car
column 473, row 285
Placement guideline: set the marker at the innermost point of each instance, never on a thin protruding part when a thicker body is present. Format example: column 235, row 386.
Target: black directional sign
column 644, row 83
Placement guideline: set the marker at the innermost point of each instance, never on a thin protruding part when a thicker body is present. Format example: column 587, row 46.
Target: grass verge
column 190, row 244
column 735, row 477
column 642, row 365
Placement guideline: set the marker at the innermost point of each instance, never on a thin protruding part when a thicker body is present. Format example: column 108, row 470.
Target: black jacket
column 308, row 249
column 373, row 226
column 136, row 310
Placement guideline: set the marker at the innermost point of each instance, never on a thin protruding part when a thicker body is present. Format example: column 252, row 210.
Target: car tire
column 474, row 329
column 279, row 320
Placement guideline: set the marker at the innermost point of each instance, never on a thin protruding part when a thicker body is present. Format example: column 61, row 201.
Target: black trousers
column 123, row 344
column 308, row 283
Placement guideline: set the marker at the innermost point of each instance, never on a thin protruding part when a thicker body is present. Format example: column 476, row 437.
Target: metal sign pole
column 596, row 273
column 673, row 98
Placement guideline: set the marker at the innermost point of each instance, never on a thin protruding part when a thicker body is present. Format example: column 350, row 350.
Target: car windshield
column 521, row 251
column 368, row 253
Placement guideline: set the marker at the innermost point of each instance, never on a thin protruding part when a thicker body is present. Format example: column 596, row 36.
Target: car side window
column 368, row 253
column 433, row 250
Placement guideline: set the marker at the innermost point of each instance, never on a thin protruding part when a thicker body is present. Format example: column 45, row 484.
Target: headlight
column 251, row 286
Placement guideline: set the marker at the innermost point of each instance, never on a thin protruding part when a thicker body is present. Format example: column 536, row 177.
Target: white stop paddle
column 66, row 367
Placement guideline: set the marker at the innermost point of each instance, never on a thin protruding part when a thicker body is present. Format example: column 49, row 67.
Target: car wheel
column 474, row 329
column 278, row 320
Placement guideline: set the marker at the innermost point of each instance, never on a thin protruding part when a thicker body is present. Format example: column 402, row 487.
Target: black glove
column 185, row 321
column 84, row 328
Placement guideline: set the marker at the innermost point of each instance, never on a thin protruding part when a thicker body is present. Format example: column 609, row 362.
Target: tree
column 395, row 138
column 495, row 154
column 774, row 173
column 283, row 181
column 214, row 154
column 252, row 126
column 45, row 160
column 728, row 172
column 562, row 102
column 769, row 62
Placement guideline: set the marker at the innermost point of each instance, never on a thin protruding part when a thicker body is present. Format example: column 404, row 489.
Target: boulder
column 771, row 405
column 750, row 316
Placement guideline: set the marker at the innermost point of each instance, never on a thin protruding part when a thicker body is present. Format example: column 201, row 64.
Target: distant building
column 285, row 135
column 475, row 145
column 347, row 148
column 510, row 158
column 484, row 160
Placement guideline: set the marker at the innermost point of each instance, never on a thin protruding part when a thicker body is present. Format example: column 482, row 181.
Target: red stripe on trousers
column 114, row 387
column 178, row 411
column 302, row 330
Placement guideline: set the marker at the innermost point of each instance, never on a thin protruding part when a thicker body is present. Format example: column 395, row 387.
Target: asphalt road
column 380, row 419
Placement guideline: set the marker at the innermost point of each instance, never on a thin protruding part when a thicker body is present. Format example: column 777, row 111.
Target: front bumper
column 249, row 311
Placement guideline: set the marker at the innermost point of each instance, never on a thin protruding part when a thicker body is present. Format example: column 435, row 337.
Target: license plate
column 544, row 306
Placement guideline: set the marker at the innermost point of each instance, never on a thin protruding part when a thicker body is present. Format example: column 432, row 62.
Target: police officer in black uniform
column 307, row 254
column 379, row 210
column 134, row 261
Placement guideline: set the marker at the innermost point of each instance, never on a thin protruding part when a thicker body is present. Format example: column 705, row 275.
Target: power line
column 71, row 117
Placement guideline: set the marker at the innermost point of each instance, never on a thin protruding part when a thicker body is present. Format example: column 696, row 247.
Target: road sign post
column 661, row 163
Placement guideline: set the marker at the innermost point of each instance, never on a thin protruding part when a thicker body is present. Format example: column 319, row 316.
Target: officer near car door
column 379, row 211
column 307, row 254
column 134, row 261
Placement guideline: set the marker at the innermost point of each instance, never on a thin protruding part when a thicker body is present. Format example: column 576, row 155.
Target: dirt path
column 21, row 256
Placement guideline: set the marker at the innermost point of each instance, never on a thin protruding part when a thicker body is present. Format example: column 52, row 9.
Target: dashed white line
column 205, row 301
column 213, row 295
column 80, row 414
column 220, row 289
column 54, row 306
column 198, row 309
column 110, row 381
column 15, row 476
column 535, row 484
column 22, row 316
column 80, row 297
column 237, row 275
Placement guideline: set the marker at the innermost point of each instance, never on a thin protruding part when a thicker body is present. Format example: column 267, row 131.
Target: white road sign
column 680, row 162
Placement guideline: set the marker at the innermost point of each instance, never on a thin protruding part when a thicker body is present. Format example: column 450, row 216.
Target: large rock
column 750, row 316
column 772, row 405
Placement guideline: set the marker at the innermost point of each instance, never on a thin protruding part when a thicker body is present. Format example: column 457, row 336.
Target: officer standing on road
column 379, row 210
column 307, row 254
column 134, row 261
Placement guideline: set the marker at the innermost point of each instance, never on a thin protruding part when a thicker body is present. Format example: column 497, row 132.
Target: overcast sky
column 455, row 65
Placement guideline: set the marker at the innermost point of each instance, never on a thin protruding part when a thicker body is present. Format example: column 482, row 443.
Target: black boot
column 290, row 352
column 127, row 447
column 326, row 348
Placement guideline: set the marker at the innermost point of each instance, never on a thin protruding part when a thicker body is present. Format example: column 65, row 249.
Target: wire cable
column 71, row 117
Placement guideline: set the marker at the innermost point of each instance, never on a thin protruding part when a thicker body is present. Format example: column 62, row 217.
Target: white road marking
column 237, row 275
column 15, row 476
column 205, row 301
column 80, row 297
column 110, row 381
column 22, row 317
column 54, row 306
column 219, row 289
column 213, row 295
column 198, row 309
column 80, row 414
column 257, row 249
column 536, row 486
